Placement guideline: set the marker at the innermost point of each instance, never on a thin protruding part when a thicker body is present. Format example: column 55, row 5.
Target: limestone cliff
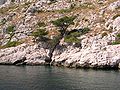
column 98, row 48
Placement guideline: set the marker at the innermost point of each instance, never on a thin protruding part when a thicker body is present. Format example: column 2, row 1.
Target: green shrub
column 64, row 23
column 71, row 39
column 72, row 35
column 53, row 41
column 65, row 10
column 10, row 29
column 84, row 30
column 116, row 42
column 118, row 35
column 40, row 33
column 75, row 34
column 12, row 44
column 41, row 24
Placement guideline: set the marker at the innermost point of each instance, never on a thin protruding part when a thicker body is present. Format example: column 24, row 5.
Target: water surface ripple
column 54, row 78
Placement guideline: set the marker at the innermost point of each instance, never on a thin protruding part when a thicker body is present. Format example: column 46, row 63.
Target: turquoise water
column 54, row 78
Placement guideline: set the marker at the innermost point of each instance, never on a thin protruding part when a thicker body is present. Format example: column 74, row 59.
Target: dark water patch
column 54, row 78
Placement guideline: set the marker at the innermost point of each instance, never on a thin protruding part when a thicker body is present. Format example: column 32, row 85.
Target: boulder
column 23, row 54
column 116, row 24
column 115, row 5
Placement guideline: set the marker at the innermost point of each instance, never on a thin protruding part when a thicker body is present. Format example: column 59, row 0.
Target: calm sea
column 54, row 78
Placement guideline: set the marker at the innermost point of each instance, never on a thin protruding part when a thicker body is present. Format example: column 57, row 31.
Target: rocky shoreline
column 99, row 48
column 99, row 55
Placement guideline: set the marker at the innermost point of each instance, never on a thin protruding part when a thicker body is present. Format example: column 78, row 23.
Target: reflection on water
column 53, row 78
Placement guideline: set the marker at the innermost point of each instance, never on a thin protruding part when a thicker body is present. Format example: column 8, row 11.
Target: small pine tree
column 63, row 23
column 40, row 33
column 10, row 29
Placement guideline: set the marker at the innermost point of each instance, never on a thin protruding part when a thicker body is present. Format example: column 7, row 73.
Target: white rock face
column 95, row 52
column 116, row 24
column 4, row 3
column 113, row 24
column 115, row 5
column 43, row 5
column 30, row 54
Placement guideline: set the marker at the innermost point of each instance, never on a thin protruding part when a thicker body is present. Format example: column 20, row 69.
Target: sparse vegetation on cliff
column 62, row 24
column 12, row 44
column 117, row 41
column 71, row 32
